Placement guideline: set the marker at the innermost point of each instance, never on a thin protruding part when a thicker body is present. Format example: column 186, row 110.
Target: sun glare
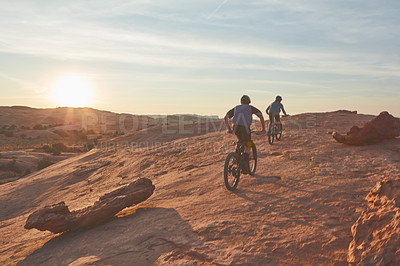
column 72, row 91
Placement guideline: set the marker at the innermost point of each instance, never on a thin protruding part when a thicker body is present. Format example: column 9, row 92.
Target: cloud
column 217, row 9
column 28, row 87
column 305, row 44
column 91, row 41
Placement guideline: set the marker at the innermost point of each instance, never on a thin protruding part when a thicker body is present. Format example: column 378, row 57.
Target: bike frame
column 236, row 168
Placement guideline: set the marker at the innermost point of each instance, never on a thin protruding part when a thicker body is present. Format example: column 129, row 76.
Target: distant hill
column 85, row 118
column 29, row 135
column 88, row 119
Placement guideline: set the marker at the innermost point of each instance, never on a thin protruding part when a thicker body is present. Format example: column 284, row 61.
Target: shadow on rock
column 271, row 177
column 153, row 235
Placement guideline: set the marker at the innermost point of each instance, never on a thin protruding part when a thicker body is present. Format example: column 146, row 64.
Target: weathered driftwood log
column 382, row 127
column 58, row 218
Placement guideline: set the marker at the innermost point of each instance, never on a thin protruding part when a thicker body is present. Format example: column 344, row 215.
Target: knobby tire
column 232, row 171
column 271, row 138
column 253, row 160
column 279, row 135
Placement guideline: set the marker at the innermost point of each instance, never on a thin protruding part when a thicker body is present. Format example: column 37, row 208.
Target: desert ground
column 299, row 208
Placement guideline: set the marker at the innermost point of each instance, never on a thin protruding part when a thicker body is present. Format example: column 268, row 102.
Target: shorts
column 243, row 133
column 273, row 117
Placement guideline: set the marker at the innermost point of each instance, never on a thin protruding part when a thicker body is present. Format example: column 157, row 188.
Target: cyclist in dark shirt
column 242, row 117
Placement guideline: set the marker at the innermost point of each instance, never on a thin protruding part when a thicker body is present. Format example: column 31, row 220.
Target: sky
column 200, row 57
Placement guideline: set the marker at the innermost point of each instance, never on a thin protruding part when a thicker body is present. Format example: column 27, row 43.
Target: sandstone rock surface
column 292, row 212
column 376, row 233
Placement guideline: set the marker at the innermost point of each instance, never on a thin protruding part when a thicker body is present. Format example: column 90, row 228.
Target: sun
column 72, row 91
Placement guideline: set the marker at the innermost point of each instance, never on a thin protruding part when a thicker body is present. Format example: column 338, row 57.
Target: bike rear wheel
column 271, row 137
column 279, row 130
column 232, row 171
column 253, row 159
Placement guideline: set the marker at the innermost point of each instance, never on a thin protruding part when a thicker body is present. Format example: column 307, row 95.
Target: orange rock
column 382, row 127
column 376, row 233
column 57, row 218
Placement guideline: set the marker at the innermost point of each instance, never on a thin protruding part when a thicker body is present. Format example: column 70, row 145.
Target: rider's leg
column 244, row 136
column 247, row 149
column 247, row 140
column 271, row 121
column 278, row 121
column 240, row 134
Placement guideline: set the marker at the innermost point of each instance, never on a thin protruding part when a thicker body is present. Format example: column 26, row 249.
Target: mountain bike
column 235, row 164
column 275, row 132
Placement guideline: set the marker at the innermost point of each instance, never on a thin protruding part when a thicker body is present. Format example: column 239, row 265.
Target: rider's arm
column 262, row 122
column 283, row 109
column 260, row 115
column 268, row 109
column 226, row 119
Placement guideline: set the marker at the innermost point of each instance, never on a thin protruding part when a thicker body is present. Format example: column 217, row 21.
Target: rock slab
column 382, row 127
column 376, row 233
column 58, row 218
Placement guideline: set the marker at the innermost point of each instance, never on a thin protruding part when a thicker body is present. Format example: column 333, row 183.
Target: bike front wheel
column 253, row 160
column 232, row 171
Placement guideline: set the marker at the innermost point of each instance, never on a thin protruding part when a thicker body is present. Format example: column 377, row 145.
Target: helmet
column 245, row 99
column 278, row 98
